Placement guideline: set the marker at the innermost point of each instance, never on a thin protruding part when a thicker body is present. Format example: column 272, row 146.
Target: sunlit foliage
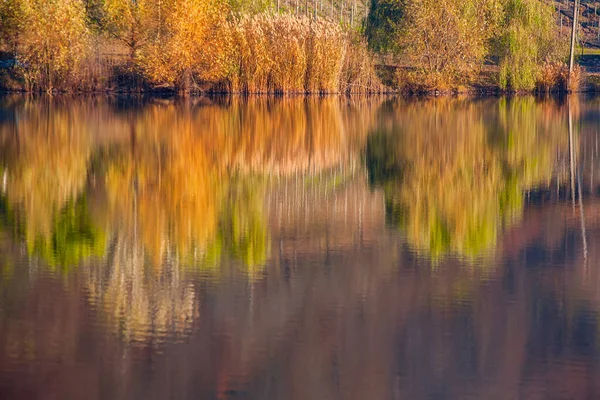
column 446, row 41
column 194, row 44
column 53, row 42
column 245, row 46
column 527, row 42
column 291, row 54
column 244, row 7
column 134, row 23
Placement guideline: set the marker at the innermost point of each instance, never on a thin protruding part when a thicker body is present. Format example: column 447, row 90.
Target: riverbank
column 383, row 79
column 115, row 76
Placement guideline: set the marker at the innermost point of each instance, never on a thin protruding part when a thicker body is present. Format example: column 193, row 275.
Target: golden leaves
column 54, row 41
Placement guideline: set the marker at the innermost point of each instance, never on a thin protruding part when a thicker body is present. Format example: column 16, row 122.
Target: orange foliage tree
column 194, row 44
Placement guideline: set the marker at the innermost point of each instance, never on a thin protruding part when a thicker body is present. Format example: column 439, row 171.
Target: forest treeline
column 281, row 46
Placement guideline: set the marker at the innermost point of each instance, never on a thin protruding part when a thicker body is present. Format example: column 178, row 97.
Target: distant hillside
column 588, row 18
column 355, row 10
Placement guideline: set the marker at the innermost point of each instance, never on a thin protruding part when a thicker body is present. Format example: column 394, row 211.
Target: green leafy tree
column 528, row 40
column 383, row 23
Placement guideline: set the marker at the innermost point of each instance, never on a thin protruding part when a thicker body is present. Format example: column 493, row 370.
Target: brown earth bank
column 121, row 79
column 485, row 84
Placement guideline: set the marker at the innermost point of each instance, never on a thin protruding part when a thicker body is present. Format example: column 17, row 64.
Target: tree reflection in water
column 454, row 172
column 240, row 248
column 161, row 192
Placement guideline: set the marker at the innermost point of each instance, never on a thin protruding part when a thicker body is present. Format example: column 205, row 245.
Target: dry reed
column 554, row 77
column 294, row 54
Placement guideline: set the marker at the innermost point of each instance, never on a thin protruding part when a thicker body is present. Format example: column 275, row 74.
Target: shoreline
column 395, row 93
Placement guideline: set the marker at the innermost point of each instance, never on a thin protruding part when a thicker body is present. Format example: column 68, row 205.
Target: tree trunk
column 187, row 82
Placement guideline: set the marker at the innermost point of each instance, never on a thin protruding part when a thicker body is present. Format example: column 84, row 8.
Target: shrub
column 554, row 77
column 181, row 44
column 446, row 40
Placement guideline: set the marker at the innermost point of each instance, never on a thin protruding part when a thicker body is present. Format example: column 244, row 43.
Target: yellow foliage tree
column 53, row 42
column 135, row 23
column 194, row 44
column 10, row 14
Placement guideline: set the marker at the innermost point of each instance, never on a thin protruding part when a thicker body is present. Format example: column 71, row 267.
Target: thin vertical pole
column 573, row 34
column 560, row 16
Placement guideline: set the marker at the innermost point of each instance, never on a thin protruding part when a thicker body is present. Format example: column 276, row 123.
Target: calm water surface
column 299, row 249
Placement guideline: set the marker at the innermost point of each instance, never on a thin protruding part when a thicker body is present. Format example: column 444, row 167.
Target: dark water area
column 299, row 248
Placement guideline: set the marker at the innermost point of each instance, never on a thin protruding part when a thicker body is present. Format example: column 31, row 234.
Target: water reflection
column 173, row 188
column 283, row 248
column 455, row 172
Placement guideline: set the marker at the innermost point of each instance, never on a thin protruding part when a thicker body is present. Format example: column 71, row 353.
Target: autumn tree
column 134, row 22
column 250, row 6
column 53, row 41
column 447, row 40
column 10, row 18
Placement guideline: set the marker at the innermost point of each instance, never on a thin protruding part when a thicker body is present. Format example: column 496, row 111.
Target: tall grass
column 294, row 54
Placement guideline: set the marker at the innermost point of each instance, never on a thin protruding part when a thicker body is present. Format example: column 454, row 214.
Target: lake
column 299, row 248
